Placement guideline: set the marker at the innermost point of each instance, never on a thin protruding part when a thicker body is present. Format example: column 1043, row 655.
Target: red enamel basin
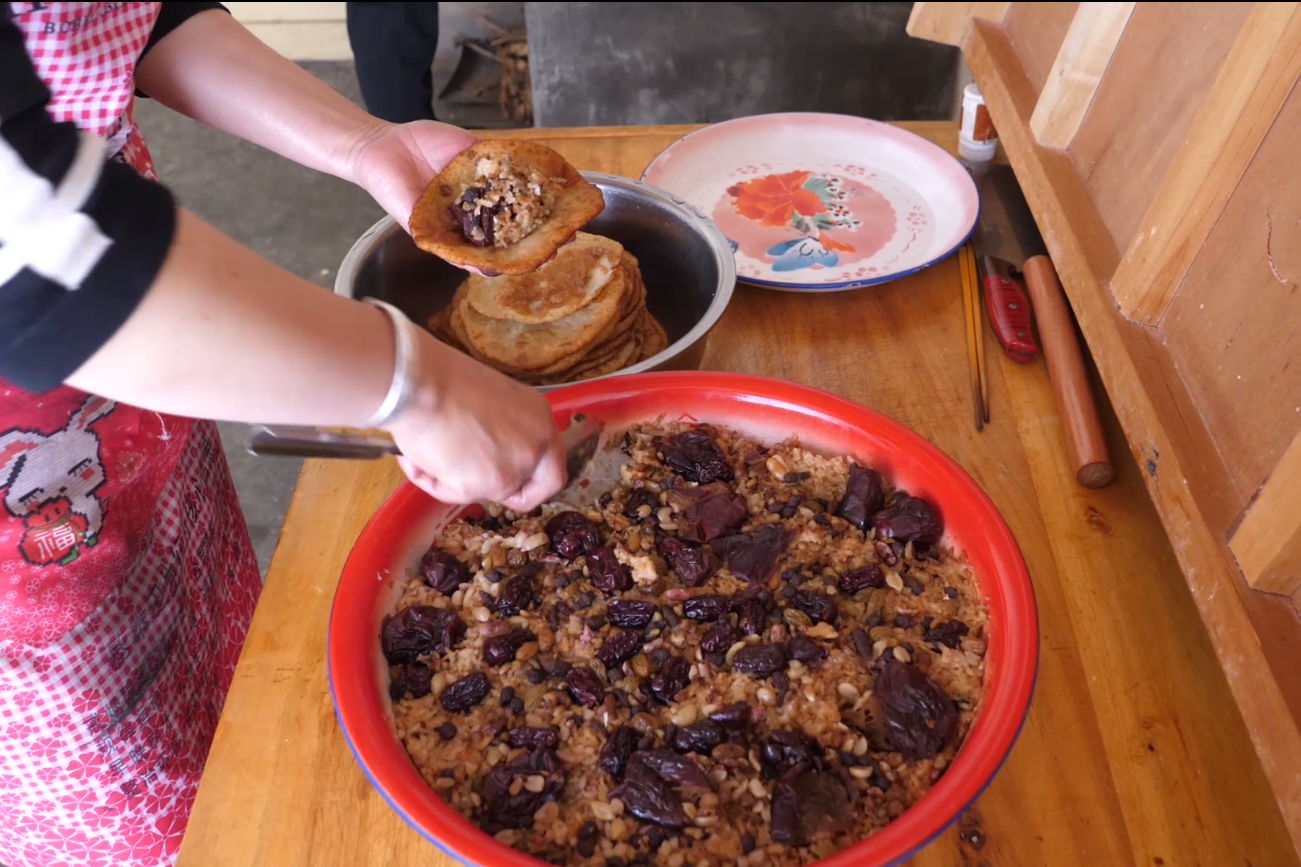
column 771, row 410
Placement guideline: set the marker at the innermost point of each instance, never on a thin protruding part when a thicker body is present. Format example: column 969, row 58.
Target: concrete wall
column 642, row 63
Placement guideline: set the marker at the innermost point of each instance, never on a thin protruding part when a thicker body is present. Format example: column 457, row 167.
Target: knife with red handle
column 1009, row 312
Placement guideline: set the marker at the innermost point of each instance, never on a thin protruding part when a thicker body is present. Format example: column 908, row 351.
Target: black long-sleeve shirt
column 82, row 237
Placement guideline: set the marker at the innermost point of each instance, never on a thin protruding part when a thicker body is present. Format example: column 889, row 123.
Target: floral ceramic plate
column 822, row 202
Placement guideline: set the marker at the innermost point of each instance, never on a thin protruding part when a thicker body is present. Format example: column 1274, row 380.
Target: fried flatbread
column 657, row 339
column 560, row 287
column 574, row 201
column 529, row 347
column 625, row 356
column 609, row 343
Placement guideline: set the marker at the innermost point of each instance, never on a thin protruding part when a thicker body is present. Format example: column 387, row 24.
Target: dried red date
column 466, row 693
column 501, row 649
column 607, row 573
column 673, row 677
column 949, row 634
column 867, row 578
column 501, row 809
column 586, row 840
column 862, row 643
column 617, row 750
column 478, row 225
column 822, row 803
column 413, row 680
column 418, row 630
column 806, row 650
column 785, row 817
column 671, row 768
column 781, row 680
column 529, row 738
column 910, row 520
column 516, row 595
column 784, row 749
column 585, row 687
column 753, row 558
column 636, row 500
column 630, row 613
column 572, row 535
column 920, row 717
column 751, row 606
column 720, row 636
column 759, row 661
column 699, row 737
column 705, row 608
column 619, row 648
column 697, row 458
column 715, row 513
column 650, row 800
column 442, row 571
column 752, row 616
column 818, row 606
column 694, row 565
column 864, row 496
column 734, row 716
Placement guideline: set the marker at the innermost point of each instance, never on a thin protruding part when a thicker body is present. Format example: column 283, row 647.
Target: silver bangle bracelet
column 402, row 387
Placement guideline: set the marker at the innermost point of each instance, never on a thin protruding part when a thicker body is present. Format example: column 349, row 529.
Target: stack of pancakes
column 582, row 314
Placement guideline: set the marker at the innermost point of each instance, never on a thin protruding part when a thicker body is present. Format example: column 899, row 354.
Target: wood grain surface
column 1122, row 162
column 1133, row 753
column 1267, row 543
column 1257, row 77
column 1072, row 83
column 1038, row 31
column 946, row 22
column 1254, row 634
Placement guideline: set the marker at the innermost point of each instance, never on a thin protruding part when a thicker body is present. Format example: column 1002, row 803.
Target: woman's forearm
column 211, row 68
column 225, row 334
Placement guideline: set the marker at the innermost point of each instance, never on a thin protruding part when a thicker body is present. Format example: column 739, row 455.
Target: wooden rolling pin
column 1061, row 349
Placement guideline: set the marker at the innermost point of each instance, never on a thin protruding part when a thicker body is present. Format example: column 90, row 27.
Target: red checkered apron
column 126, row 576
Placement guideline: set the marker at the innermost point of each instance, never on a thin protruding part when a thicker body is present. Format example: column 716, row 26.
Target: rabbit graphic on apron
column 127, row 580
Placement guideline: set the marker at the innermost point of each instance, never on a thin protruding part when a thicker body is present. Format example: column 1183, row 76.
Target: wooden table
column 1133, row 754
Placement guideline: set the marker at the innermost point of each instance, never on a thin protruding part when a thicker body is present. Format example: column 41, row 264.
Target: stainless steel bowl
column 686, row 263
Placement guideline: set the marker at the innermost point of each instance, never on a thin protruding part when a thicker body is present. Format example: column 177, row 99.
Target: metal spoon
column 581, row 439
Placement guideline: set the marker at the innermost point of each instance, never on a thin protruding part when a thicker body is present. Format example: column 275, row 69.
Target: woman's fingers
column 430, row 485
column 548, row 478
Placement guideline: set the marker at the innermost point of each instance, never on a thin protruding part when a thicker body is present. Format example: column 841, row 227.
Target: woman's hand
column 395, row 162
column 474, row 434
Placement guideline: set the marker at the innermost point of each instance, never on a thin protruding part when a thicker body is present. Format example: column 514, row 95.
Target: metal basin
column 686, row 263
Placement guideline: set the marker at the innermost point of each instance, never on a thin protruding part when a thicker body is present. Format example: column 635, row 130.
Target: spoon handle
column 580, row 438
column 309, row 442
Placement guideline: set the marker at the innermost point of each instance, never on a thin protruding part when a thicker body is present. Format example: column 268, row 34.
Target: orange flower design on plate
column 773, row 200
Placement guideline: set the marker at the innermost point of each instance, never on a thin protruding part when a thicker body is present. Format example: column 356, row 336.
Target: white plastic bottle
column 977, row 139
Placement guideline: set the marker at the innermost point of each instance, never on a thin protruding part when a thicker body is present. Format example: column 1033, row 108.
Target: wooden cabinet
column 1159, row 146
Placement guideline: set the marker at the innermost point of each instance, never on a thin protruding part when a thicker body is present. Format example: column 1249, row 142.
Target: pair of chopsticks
column 975, row 334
